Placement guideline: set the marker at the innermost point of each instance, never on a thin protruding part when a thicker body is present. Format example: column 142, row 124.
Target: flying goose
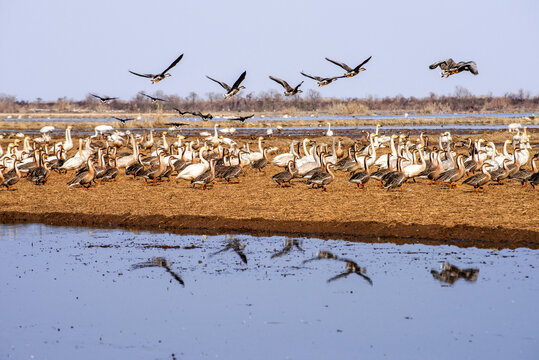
column 104, row 99
column 322, row 81
column 289, row 89
column 449, row 67
column 351, row 71
column 154, row 99
column 231, row 91
column 158, row 77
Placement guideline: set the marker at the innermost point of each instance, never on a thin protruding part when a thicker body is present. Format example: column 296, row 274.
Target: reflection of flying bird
column 322, row 81
column 241, row 118
column 288, row 245
column 451, row 273
column 289, row 89
column 158, row 77
column 449, row 67
column 123, row 120
column 322, row 254
column 351, row 71
column 352, row 268
column 236, row 246
column 154, row 99
column 104, row 99
column 159, row 262
column 231, row 91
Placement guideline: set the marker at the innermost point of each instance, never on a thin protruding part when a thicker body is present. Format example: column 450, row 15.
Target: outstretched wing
column 173, row 64
column 365, row 277
column 443, row 64
column 344, row 274
column 343, row 65
column 363, row 63
column 282, row 82
column 224, row 85
column 240, row 79
column 317, row 78
column 470, row 66
column 149, row 76
column 97, row 96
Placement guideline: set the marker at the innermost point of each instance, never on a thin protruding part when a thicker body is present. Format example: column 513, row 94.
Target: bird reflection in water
column 159, row 262
column 322, row 254
column 451, row 273
column 288, row 245
column 352, row 268
column 235, row 246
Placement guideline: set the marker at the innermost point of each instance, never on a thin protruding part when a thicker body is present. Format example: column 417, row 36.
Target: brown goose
column 11, row 177
column 360, row 178
column 478, row 180
column 284, row 177
column 205, row 178
column 395, row 179
column 322, row 179
column 524, row 174
column 452, row 176
column 231, row 91
column 85, row 178
column 39, row 174
column 261, row 163
column 154, row 172
column 500, row 175
column 111, row 172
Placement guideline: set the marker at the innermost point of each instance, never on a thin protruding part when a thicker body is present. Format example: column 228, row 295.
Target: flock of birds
column 448, row 66
column 204, row 161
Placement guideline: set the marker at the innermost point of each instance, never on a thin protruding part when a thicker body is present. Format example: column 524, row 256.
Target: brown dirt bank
column 365, row 231
column 503, row 216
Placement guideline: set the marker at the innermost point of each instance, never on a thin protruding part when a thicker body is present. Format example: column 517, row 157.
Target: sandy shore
column 504, row 216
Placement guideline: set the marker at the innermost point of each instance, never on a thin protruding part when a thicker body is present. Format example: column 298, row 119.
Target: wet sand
column 504, row 216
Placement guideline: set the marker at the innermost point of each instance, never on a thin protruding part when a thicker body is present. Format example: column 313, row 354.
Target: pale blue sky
column 69, row 48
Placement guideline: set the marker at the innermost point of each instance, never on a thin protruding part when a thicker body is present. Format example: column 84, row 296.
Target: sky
column 58, row 48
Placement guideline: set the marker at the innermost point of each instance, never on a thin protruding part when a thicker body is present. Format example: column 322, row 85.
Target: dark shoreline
column 364, row 231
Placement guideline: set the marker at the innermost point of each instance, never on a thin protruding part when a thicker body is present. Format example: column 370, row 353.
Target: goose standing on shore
column 479, row 180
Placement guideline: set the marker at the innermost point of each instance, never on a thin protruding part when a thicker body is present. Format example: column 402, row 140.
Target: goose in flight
column 289, row 89
column 104, row 99
column 123, row 120
column 231, row 91
column 155, row 78
column 241, row 118
column 449, row 67
column 351, row 71
column 154, row 99
column 322, row 81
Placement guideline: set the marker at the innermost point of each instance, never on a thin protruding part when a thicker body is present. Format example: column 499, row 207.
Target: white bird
column 513, row 127
column 269, row 131
column 47, row 129
column 100, row 129
column 329, row 132
column 194, row 170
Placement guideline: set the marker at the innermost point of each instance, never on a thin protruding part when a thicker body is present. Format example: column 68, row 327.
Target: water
column 313, row 118
column 74, row 293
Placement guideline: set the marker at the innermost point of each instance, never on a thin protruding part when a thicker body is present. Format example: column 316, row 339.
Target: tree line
column 274, row 102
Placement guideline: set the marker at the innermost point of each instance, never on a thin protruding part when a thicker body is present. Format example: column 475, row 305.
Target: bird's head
column 241, row 87
column 299, row 91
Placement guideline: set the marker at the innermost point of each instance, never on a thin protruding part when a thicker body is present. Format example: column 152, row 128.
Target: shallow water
column 355, row 131
column 314, row 118
column 74, row 293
